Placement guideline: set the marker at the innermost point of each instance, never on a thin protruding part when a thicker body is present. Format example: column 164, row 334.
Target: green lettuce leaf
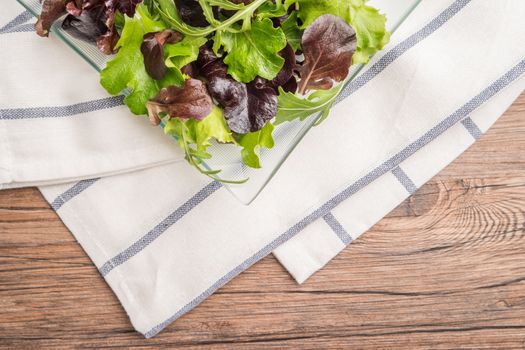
column 252, row 144
column 194, row 136
column 149, row 23
column 181, row 54
column 370, row 26
column 127, row 71
column 254, row 52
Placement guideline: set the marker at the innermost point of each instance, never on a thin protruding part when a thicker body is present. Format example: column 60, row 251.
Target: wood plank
column 446, row 269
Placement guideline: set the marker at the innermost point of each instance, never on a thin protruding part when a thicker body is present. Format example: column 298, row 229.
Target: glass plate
column 227, row 157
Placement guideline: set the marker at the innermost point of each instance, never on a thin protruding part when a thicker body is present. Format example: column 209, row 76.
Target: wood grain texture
column 446, row 269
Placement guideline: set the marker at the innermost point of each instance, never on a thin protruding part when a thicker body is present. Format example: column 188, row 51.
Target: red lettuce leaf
column 290, row 65
column 88, row 20
column 291, row 85
column 191, row 101
column 88, row 26
column 153, row 51
column 247, row 107
column 51, row 11
column 106, row 42
column 191, row 12
column 328, row 46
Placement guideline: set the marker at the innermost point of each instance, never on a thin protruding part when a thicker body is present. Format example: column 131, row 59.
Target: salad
column 224, row 71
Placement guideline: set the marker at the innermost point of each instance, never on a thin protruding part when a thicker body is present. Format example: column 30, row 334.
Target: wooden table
column 443, row 270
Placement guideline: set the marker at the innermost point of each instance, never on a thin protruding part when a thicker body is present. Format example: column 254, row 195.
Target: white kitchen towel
column 165, row 239
column 372, row 196
column 57, row 123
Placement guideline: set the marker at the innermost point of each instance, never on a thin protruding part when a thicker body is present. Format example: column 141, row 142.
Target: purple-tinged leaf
column 190, row 101
column 153, row 51
column 328, row 46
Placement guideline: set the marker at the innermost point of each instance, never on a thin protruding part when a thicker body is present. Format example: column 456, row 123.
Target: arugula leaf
column 169, row 13
column 255, row 52
column 229, row 5
column 271, row 10
column 252, row 144
column 368, row 22
column 127, row 71
column 292, row 106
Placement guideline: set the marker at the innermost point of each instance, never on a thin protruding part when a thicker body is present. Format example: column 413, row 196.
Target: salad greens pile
column 224, row 71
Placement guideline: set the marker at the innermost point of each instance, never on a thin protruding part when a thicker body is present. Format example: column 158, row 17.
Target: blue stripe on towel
column 338, row 229
column 20, row 19
column 158, row 230
column 404, row 180
column 472, row 128
column 71, row 193
column 23, row 28
column 62, row 111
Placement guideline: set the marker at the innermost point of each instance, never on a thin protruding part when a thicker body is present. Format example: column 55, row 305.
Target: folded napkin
column 165, row 238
